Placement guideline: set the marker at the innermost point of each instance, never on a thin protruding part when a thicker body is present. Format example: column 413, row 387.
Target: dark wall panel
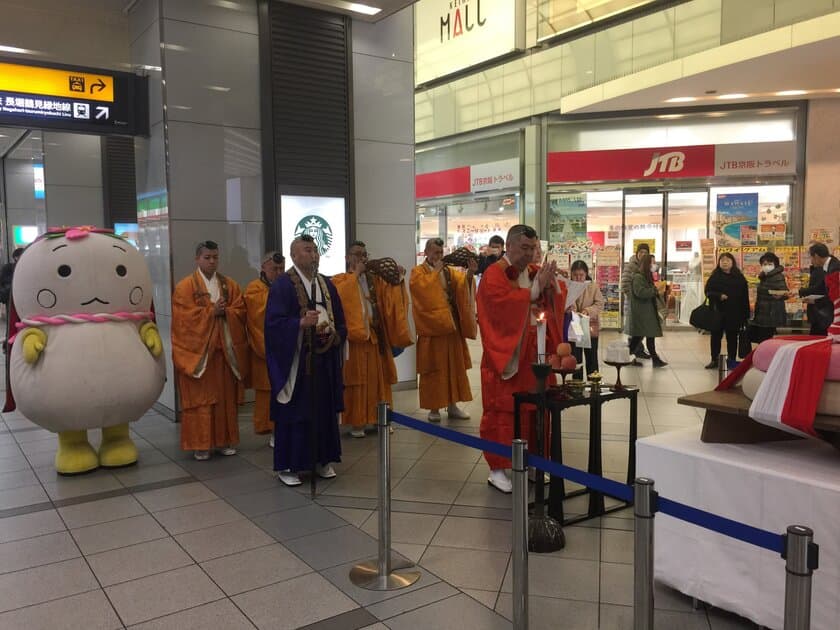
column 119, row 185
column 307, row 142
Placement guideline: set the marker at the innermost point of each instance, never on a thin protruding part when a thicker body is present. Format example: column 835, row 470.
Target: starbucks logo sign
column 318, row 228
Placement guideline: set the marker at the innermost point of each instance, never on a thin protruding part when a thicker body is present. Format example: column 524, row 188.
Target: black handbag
column 705, row 317
column 744, row 343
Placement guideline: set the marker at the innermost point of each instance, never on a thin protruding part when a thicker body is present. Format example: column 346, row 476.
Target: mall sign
column 453, row 35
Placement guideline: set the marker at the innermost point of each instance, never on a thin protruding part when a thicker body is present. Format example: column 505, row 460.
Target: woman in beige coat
column 591, row 303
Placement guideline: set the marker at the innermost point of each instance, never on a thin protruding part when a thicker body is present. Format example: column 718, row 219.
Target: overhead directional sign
column 73, row 99
column 52, row 82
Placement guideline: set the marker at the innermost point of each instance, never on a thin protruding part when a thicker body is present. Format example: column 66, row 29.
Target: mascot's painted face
column 95, row 273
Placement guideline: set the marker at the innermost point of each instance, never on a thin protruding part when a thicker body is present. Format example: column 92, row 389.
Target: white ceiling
column 811, row 67
column 389, row 7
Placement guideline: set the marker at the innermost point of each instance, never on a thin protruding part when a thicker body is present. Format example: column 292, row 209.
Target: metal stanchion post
column 519, row 474
column 723, row 367
column 644, row 508
column 801, row 556
column 384, row 574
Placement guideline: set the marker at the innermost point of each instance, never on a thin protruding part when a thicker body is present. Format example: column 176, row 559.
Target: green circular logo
column 318, row 228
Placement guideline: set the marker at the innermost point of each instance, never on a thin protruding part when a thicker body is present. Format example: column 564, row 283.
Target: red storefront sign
column 708, row 160
column 629, row 164
column 476, row 178
column 442, row 183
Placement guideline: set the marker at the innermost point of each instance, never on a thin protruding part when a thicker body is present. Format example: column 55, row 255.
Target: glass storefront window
column 687, row 221
column 684, row 229
column 562, row 16
column 467, row 222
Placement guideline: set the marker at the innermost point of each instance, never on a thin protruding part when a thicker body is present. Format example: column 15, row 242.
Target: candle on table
column 541, row 338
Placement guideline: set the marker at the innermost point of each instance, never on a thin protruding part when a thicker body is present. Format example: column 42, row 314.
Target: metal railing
column 387, row 573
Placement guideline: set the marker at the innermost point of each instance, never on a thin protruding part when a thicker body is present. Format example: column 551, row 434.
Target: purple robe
column 292, row 429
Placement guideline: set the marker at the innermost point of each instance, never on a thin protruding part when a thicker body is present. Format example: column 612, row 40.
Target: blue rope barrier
column 452, row 436
column 734, row 529
column 600, row 484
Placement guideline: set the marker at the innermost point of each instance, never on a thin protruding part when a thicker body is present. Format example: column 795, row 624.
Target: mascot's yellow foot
column 75, row 455
column 117, row 449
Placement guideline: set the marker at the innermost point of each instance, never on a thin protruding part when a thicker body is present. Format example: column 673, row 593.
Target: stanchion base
column 545, row 535
column 366, row 575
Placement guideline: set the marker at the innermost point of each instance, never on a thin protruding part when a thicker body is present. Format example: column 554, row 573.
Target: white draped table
column 770, row 485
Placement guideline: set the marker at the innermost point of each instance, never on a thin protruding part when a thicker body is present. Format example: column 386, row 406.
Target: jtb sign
column 758, row 158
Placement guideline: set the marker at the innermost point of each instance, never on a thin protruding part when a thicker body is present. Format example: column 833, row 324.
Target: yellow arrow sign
column 60, row 83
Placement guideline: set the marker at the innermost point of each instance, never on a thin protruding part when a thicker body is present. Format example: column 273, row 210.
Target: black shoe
column 641, row 354
column 658, row 363
column 711, row 365
column 636, row 363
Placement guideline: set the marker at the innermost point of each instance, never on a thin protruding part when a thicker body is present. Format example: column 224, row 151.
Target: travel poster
column 734, row 211
column 567, row 218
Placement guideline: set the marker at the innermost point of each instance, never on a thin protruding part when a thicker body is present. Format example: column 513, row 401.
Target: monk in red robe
column 444, row 315
column 376, row 312
column 210, row 354
column 256, row 296
column 512, row 293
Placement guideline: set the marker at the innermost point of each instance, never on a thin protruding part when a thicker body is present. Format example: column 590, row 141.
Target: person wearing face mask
column 770, row 299
column 728, row 293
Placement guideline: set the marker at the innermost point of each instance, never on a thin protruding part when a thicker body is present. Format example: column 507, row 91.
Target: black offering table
column 555, row 400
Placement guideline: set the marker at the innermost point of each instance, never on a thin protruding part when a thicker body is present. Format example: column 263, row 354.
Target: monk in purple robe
column 304, row 339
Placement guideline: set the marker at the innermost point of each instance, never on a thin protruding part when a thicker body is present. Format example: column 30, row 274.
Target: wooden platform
column 727, row 420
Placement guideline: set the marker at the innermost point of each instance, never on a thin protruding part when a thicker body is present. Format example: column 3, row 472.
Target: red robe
column 504, row 318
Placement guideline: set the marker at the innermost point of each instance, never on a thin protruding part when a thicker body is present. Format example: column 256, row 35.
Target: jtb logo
column 671, row 162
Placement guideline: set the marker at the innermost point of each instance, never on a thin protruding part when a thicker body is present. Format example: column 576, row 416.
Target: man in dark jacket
column 820, row 310
column 495, row 251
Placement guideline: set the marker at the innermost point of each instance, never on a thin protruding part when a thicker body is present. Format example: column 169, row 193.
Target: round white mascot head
column 80, row 270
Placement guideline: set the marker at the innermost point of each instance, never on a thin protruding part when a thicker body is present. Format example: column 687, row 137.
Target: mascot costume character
column 83, row 349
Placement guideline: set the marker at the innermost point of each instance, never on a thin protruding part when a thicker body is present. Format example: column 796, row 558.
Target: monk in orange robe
column 376, row 313
column 256, row 296
column 512, row 293
column 444, row 315
column 210, row 354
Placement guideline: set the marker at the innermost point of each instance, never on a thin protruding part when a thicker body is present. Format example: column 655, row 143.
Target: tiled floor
column 175, row 543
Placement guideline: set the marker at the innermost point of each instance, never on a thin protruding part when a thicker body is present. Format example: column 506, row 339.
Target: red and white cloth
column 788, row 396
column 832, row 282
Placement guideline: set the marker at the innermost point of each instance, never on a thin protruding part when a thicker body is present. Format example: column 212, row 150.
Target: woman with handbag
column 590, row 303
column 728, row 294
column 770, row 299
column 646, row 304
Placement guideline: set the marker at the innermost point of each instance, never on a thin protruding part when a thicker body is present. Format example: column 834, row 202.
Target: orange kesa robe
column 256, row 296
column 444, row 314
column 377, row 321
column 506, row 319
column 219, row 346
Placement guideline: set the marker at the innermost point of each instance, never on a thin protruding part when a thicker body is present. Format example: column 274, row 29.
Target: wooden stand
column 727, row 420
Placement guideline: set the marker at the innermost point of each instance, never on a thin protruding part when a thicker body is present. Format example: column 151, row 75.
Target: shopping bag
column 575, row 330
column 705, row 317
column 582, row 329
column 744, row 343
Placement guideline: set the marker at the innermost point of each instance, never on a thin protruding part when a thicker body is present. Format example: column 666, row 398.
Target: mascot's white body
column 87, row 353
